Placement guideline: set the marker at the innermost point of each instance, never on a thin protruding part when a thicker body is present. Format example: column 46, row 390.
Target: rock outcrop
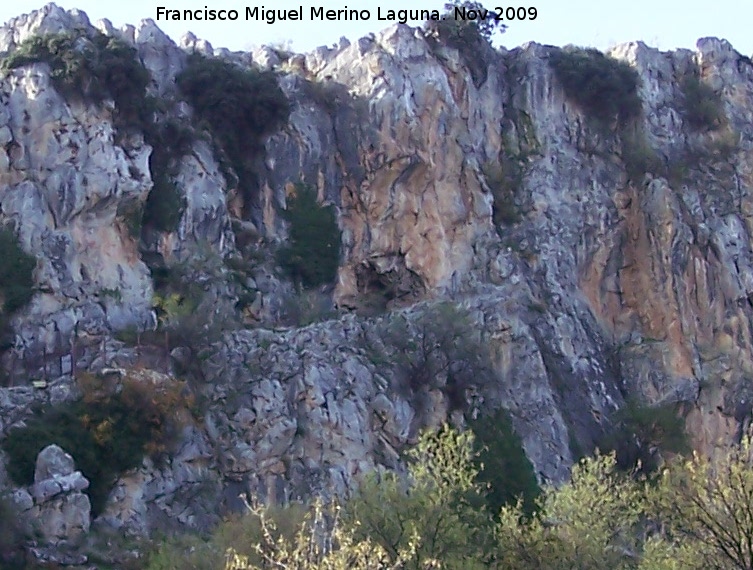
column 599, row 263
column 61, row 509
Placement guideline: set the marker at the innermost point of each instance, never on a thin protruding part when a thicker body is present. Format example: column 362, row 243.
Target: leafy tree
column 471, row 38
column 482, row 27
column 437, row 348
column 589, row 523
column 705, row 509
column 313, row 254
column 437, row 502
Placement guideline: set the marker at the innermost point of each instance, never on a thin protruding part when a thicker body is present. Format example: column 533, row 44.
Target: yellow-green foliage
column 588, row 523
column 706, row 509
column 321, row 542
column 696, row 515
column 439, row 502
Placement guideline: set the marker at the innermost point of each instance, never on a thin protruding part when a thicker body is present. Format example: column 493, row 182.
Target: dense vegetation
column 600, row 85
column 92, row 69
column 504, row 470
column 312, row 254
column 693, row 516
column 16, row 273
column 472, row 38
column 107, row 432
column 239, row 106
column 165, row 204
column 701, row 106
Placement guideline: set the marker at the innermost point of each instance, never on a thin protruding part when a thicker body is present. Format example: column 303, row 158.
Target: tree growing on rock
column 468, row 27
column 485, row 22
column 437, row 349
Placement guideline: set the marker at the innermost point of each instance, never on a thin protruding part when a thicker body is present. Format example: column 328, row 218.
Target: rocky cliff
column 600, row 262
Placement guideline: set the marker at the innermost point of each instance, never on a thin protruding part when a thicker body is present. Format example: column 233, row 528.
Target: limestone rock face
column 66, row 181
column 599, row 262
column 62, row 178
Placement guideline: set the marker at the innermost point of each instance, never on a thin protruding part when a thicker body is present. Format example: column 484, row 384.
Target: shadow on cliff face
column 385, row 283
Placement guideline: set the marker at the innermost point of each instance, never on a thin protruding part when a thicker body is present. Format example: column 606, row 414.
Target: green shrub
column 107, row 433
column 639, row 157
column 16, row 273
column 12, row 536
column 701, row 106
column 165, row 204
column 642, row 430
column 239, row 106
column 313, row 254
column 504, row 180
column 438, row 506
column 472, row 38
column 91, row 69
column 597, row 83
column 502, row 463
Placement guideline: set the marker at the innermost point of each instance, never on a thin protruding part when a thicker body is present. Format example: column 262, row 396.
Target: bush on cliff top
column 92, row 69
column 239, row 106
column 599, row 84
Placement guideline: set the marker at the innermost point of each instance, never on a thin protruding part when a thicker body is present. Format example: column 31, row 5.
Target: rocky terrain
column 599, row 264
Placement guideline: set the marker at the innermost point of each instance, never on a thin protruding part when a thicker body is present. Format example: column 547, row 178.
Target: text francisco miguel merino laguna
column 315, row 13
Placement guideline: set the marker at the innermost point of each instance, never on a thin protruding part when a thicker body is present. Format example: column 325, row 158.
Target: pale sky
column 665, row 24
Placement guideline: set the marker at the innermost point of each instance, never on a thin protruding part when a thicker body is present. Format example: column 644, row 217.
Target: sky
column 666, row 24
